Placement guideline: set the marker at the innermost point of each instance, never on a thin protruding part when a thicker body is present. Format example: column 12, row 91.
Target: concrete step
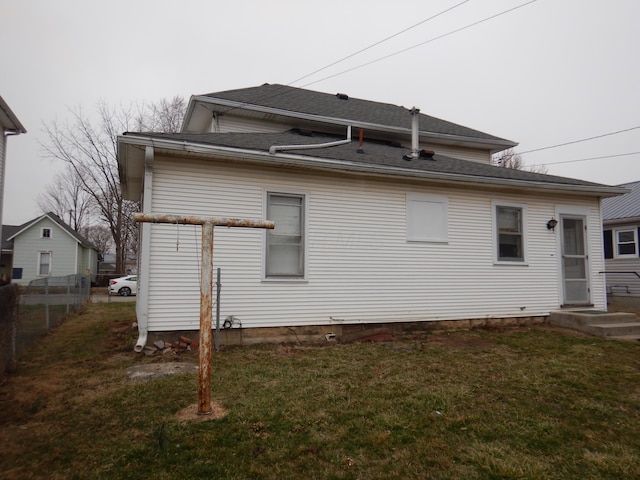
column 594, row 322
column 614, row 329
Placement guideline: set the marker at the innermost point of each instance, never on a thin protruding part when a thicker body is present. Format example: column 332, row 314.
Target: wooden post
column 206, row 287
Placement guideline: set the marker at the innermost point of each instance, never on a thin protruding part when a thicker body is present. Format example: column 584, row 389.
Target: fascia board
column 622, row 221
column 300, row 161
column 10, row 122
column 344, row 122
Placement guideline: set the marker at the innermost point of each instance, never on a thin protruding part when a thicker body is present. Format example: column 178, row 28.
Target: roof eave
column 283, row 159
column 498, row 144
column 13, row 124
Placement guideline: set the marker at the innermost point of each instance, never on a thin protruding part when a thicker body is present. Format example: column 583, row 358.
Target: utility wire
column 377, row 43
column 422, row 43
column 585, row 159
column 277, row 94
column 580, row 141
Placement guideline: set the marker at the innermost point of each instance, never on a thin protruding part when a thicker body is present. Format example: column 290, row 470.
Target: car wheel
column 125, row 291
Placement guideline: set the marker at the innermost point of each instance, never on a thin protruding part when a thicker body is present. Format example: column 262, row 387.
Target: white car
column 124, row 286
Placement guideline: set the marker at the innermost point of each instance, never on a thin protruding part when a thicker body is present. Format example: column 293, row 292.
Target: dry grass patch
column 485, row 404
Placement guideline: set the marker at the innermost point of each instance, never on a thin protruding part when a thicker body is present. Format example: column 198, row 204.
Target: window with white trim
column 427, row 218
column 46, row 233
column 285, row 244
column 509, row 222
column 626, row 242
column 44, row 263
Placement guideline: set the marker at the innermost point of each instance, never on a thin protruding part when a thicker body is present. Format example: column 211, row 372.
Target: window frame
column 292, row 278
column 48, row 230
column 443, row 201
column 39, row 264
column 495, row 205
column 617, row 243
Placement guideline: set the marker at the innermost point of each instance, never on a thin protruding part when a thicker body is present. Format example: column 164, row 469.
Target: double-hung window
column 509, row 234
column 44, row 263
column 285, row 244
column 626, row 242
column 46, row 233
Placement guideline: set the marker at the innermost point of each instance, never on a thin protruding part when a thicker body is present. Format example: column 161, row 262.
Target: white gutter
column 281, row 148
column 142, row 295
column 341, row 165
column 336, row 121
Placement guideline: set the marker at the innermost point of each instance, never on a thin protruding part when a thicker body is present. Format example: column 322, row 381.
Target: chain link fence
column 28, row 313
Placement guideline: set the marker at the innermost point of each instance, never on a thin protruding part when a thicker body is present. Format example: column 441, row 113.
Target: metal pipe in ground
column 218, row 286
column 206, row 288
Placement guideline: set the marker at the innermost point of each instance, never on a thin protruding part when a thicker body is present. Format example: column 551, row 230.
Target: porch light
column 551, row 224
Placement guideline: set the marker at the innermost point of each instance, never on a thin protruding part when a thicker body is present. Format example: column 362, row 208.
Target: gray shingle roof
column 376, row 154
column 7, row 232
column 624, row 206
column 310, row 102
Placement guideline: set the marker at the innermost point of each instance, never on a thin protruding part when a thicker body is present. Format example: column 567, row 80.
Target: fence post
column 46, row 301
column 68, row 292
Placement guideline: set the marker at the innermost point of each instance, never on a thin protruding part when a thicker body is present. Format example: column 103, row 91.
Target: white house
column 9, row 125
column 621, row 225
column 383, row 215
column 48, row 247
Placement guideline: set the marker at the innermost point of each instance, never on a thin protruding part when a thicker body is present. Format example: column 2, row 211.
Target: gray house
column 621, row 225
column 48, row 247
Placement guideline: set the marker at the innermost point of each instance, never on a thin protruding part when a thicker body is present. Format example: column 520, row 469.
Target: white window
column 285, row 244
column 626, row 242
column 427, row 218
column 44, row 263
column 509, row 222
column 46, row 233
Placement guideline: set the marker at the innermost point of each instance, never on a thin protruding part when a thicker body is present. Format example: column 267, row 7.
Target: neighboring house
column 48, row 247
column 381, row 230
column 9, row 125
column 6, row 257
column 621, row 225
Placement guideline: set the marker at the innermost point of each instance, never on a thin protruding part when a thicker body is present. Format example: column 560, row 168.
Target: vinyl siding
column 360, row 267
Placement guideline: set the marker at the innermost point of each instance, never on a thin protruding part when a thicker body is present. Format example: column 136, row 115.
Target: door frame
column 582, row 212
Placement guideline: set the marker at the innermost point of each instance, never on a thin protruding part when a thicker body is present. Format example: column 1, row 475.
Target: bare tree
column 89, row 148
column 66, row 197
column 100, row 237
column 511, row 159
column 163, row 116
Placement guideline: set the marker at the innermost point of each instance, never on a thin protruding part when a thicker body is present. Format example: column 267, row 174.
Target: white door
column 575, row 277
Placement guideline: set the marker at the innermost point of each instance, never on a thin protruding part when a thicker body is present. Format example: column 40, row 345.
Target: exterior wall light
column 551, row 224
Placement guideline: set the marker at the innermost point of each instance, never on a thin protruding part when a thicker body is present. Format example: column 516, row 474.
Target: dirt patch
column 190, row 413
column 459, row 341
column 150, row 371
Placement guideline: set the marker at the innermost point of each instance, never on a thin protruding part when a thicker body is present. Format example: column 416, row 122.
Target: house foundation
column 315, row 334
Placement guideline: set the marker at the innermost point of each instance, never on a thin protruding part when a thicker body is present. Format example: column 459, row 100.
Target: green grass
column 525, row 403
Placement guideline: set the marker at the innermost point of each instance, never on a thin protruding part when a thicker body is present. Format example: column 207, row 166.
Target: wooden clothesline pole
column 206, row 286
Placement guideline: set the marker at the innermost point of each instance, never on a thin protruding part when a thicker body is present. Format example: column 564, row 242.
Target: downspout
column 281, row 148
column 415, row 132
column 142, row 295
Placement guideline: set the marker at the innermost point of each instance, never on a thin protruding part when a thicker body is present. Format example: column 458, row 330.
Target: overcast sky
column 550, row 72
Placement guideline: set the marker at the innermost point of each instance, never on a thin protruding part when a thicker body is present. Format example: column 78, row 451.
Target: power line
column 386, row 56
column 585, row 159
column 422, row 43
column 273, row 95
column 579, row 141
column 378, row 43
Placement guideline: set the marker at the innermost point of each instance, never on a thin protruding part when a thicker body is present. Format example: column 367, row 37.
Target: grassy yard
column 525, row 403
